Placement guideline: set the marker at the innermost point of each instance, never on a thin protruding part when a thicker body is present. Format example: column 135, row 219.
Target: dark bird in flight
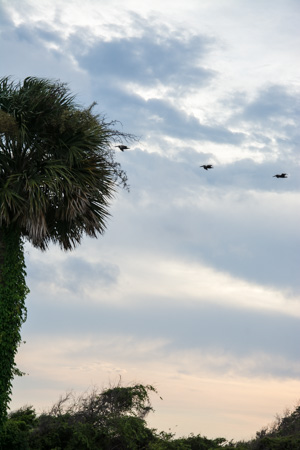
column 207, row 166
column 282, row 175
column 122, row 147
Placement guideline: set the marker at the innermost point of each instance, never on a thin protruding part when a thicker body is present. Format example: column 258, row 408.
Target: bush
column 115, row 419
column 15, row 432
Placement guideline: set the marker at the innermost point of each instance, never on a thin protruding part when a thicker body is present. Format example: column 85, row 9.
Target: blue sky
column 194, row 287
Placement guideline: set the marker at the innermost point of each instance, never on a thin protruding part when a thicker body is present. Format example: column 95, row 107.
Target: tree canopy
column 57, row 168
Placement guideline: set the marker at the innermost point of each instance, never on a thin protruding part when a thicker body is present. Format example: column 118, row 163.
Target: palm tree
column 57, row 179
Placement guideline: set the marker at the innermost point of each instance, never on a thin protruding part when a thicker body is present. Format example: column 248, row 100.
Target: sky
column 194, row 288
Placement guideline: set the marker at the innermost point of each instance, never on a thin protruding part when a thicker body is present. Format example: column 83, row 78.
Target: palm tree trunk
column 13, row 291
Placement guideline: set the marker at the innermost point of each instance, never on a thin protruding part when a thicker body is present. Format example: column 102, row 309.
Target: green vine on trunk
column 13, row 291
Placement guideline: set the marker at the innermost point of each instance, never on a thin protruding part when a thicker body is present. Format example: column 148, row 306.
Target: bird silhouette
column 282, row 175
column 122, row 147
column 207, row 166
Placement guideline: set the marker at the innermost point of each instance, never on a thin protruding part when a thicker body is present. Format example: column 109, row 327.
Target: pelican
column 282, row 175
column 122, row 147
column 207, row 166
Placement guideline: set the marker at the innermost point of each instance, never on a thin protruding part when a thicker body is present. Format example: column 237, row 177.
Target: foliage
column 114, row 419
column 16, row 431
column 278, row 443
column 191, row 442
column 288, row 424
column 13, row 291
column 111, row 419
column 283, row 434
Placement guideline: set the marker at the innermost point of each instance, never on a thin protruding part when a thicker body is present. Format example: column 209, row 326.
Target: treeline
column 114, row 419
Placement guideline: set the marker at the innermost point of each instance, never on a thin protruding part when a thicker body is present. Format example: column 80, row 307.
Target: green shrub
column 16, row 430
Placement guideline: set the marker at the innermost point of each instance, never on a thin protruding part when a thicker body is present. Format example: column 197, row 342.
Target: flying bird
column 122, row 147
column 207, row 166
column 282, row 175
